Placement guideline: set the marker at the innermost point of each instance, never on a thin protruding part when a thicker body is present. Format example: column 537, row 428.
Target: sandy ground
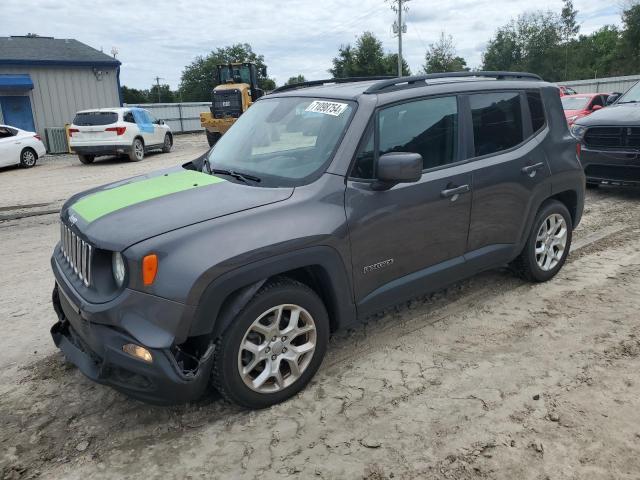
column 493, row 378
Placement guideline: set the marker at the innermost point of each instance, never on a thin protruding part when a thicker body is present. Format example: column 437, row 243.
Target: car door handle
column 532, row 169
column 455, row 191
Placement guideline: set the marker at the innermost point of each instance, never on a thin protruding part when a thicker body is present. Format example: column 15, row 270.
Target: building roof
column 51, row 51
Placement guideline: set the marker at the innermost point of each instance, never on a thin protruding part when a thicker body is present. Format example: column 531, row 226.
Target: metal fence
column 181, row 117
column 604, row 85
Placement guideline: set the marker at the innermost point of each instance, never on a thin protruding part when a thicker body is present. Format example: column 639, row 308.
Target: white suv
column 116, row 131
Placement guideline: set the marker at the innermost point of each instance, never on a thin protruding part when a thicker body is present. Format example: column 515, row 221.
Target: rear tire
column 168, row 143
column 213, row 137
column 548, row 244
column 136, row 153
column 86, row 159
column 263, row 357
column 28, row 158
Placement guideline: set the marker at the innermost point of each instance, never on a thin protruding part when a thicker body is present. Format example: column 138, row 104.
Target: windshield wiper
column 629, row 101
column 232, row 173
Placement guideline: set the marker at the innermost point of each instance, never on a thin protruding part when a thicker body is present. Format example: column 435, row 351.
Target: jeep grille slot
column 77, row 253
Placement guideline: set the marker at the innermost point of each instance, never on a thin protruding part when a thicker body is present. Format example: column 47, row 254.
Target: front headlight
column 578, row 131
column 117, row 265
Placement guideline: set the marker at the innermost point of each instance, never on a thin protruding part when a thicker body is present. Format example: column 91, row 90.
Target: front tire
column 213, row 137
column 548, row 244
column 28, row 158
column 136, row 153
column 86, row 159
column 273, row 347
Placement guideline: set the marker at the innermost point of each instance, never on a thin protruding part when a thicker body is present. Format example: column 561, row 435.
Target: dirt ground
column 493, row 378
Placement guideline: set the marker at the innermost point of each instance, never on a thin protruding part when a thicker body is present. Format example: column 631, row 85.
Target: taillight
column 118, row 130
column 578, row 149
column 72, row 131
column 37, row 137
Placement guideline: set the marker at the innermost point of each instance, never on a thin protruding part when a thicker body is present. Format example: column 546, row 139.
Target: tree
column 366, row 59
column 570, row 27
column 166, row 94
column 529, row 43
column 441, row 57
column 198, row 78
column 293, row 80
column 630, row 38
column 133, row 95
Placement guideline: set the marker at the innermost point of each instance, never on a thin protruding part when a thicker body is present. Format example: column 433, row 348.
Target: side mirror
column 613, row 97
column 263, row 71
column 596, row 108
column 398, row 167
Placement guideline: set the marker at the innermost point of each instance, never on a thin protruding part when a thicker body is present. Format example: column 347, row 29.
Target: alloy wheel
column 551, row 242
column 277, row 348
column 28, row 158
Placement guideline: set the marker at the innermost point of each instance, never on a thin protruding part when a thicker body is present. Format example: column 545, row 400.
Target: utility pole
column 157, row 79
column 399, row 27
column 399, row 38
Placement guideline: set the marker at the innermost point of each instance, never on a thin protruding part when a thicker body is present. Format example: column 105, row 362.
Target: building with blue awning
column 44, row 81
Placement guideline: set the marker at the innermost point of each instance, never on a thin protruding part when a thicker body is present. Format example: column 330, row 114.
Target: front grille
column 77, row 253
column 613, row 137
column 226, row 103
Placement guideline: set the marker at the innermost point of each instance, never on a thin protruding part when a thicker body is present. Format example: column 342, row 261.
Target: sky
column 159, row 38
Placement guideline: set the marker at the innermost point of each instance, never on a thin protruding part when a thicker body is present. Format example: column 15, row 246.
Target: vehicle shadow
column 54, row 409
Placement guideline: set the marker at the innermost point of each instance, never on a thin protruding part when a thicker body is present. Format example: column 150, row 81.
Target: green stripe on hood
column 101, row 203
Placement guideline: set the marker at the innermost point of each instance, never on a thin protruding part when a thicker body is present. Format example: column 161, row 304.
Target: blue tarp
column 19, row 82
column 142, row 120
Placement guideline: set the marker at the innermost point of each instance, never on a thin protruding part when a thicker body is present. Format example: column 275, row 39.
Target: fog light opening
column 138, row 352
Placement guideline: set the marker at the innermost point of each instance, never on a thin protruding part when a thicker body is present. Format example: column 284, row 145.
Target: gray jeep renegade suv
column 326, row 202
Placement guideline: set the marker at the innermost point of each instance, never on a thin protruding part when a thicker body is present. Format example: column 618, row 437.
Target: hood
column 117, row 215
column 618, row 114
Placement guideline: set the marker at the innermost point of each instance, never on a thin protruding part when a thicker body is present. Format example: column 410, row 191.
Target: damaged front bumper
column 172, row 377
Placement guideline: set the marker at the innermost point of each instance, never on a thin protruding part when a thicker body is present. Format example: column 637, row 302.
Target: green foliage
column 548, row 44
column 134, row 95
column 198, row 78
column 366, row 59
column 441, row 57
column 298, row 79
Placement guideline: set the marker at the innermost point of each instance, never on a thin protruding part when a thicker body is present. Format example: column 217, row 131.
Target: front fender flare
column 225, row 296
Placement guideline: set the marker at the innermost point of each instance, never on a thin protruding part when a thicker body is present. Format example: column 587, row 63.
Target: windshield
column 575, row 103
column 235, row 74
column 633, row 95
column 282, row 141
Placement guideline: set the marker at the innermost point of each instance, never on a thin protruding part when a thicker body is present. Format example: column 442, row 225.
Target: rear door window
column 6, row 132
column 497, row 121
column 88, row 119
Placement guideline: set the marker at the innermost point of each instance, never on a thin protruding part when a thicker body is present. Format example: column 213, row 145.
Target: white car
column 19, row 147
column 116, row 131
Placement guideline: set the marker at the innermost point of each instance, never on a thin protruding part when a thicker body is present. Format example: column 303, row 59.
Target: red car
column 582, row 104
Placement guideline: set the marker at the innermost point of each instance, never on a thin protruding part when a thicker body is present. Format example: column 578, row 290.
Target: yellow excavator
column 236, row 90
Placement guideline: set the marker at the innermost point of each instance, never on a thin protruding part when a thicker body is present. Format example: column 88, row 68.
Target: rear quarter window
column 88, row 119
column 536, row 109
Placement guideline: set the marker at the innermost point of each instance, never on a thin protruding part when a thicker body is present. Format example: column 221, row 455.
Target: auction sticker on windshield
column 328, row 108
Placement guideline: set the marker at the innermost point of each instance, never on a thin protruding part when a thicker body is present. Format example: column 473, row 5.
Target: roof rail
column 414, row 81
column 328, row 81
